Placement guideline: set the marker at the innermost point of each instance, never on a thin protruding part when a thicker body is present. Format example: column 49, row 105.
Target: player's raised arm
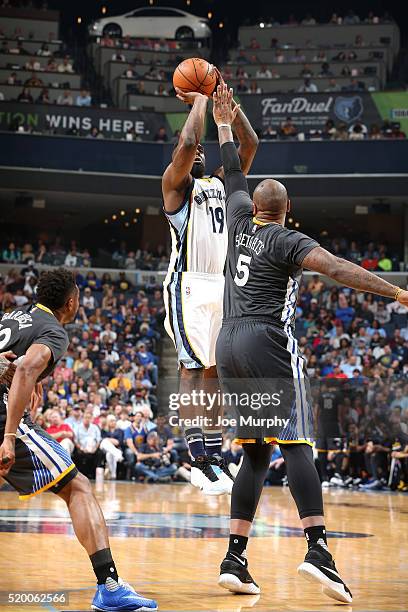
column 177, row 177
column 25, row 377
column 351, row 275
column 224, row 113
column 246, row 135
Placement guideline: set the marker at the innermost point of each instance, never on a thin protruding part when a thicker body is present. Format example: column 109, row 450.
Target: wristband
column 228, row 125
column 10, row 434
column 397, row 293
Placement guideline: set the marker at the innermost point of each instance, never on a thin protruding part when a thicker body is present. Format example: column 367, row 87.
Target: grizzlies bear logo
column 348, row 109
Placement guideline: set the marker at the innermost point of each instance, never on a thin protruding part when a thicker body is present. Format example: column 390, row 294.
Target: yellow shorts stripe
column 272, row 441
column 50, row 484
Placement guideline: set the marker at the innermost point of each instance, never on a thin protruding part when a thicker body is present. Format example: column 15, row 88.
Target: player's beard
column 198, row 170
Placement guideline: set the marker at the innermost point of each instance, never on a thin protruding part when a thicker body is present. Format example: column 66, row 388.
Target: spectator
column 308, row 20
column 65, row 99
column 60, row 431
column 51, row 66
column 161, row 91
column 83, row 98
column 111, row 445
column 34, row 81
column 288, row 129
column 11, row 254
column 72, row 260
column 161, row 135
column 25, row 96
column 263, row 73
column 118, row 57
column 65, row 65
column 242, row 86
column 351, row 18
column 87, row 440
column 308, row 87
column 94, row 133
column 333, row 86
column 44, row 96
column 12, row 79
column 375, row 132
column 254, row 88
column 44, row 50
column 153, row 463
column 356, row 132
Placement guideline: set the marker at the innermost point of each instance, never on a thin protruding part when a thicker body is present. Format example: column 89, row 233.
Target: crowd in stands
column 71, row 255
column 373, row 256
column 101, row 402
column 349, row 17
column 331, row 131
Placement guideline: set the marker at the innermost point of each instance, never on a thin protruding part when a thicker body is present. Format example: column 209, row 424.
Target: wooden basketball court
column 168, row 541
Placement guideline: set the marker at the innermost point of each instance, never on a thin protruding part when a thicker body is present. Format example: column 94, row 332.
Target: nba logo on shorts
column 188, row 291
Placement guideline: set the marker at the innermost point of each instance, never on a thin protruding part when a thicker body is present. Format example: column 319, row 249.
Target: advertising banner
column 112, row 123
column 309, row 111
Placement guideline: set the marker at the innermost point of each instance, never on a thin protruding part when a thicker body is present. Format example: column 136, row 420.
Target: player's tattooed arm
column 247, row 138
column 177, row 177
column 351, row 275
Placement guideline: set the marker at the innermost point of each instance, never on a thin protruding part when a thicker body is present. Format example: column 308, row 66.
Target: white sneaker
column 205, row 477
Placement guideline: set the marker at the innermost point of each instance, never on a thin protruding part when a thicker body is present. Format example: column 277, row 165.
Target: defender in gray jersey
column 30, row 459
column 263, row 270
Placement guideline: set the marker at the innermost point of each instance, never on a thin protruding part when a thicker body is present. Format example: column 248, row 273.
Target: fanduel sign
column 309, row 111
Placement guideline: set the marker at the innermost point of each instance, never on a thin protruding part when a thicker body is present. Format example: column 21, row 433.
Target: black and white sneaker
column 220, row 467
column 234, row 575
column 207, row 477
column 319, row 566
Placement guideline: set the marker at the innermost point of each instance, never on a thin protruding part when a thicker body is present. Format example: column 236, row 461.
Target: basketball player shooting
column 30, row 459
column 194, row 285
column 261, row 287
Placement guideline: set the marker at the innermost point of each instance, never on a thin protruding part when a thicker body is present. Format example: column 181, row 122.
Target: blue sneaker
column 120, row 597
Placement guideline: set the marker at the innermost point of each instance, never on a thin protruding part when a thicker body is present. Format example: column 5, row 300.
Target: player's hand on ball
column 7, row 454
column 7, row 368
column 403, row 298
column 224, row 109
column 188, row 96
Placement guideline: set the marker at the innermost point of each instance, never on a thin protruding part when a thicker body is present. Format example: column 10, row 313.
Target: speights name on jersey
column 24, row 319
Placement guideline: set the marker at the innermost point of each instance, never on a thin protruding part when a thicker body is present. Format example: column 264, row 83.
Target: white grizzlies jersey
column 199, row 229
column 194, row 285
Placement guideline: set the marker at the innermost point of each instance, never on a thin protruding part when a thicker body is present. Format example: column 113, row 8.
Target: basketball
column 195, row 74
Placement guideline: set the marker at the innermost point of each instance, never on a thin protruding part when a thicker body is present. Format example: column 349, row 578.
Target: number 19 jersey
column 194, row 285
column 199, row 229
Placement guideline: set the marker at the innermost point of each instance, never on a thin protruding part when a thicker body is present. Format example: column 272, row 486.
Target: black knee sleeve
column 303, row 479
column 250, row 480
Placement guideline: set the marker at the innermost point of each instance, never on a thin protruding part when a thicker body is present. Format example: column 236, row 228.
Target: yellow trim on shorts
column 50, row 484
column 272, row 441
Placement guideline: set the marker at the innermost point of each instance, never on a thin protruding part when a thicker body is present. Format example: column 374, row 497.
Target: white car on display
column 153, row 22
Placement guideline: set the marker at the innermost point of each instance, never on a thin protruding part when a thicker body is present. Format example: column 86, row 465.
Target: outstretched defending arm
column 224, row 113
column 177, row 178
column 351, row 275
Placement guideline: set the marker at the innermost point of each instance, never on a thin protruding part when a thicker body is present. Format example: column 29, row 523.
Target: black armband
column 234, row 177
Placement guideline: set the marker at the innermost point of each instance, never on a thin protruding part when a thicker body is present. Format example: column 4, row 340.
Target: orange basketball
column 195, row 74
